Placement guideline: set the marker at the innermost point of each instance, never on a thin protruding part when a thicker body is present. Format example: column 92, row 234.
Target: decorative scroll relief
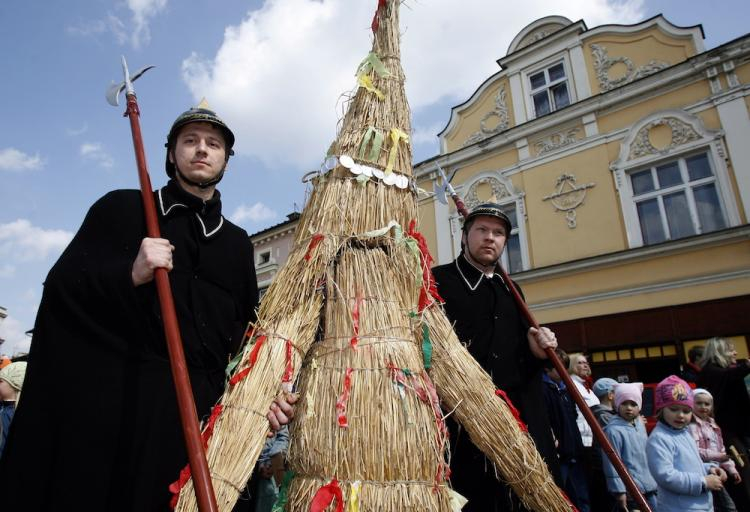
column 682, row 133
column 603, row 63
column 568, row 196
column 499, row 189
column 536, row 36
column 500, row 113
column 556, row 140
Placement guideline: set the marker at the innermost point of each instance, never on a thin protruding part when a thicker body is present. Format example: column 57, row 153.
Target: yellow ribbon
column 366, row 82
column 396, row 136
column 354, row 496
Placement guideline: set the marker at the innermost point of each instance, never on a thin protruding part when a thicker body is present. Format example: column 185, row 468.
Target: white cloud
column 279, row 72
column 21, row 241
column 111, row 24
column 426, row 134
column 16, row 341
column 94, row 152
column 142, row 11
column 12, row 159
column 74, row 132
column 255, row 213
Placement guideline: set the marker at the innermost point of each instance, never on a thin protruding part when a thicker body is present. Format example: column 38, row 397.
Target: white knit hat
column 13, row 374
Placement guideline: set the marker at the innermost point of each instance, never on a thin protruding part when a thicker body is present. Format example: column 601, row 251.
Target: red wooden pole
column 622, row 471
column 188, row 415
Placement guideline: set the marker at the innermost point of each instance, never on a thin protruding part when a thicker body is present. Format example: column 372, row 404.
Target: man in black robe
column 488, row 321
column 98, row 427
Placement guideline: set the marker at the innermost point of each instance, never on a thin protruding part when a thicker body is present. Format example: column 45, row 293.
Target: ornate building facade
column 622, row 156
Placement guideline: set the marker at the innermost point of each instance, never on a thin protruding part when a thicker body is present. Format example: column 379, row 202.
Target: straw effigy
column 355, row 319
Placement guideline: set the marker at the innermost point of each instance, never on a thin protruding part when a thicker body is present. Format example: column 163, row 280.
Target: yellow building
column 622, row 154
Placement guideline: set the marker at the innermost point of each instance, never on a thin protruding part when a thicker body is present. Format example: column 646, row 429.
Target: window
column 512, row 259
column 676, row 199
column 549, row 89
column 264, row 257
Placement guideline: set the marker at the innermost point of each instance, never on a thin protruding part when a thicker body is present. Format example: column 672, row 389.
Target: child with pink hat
column 627, row 435
column 684, row 480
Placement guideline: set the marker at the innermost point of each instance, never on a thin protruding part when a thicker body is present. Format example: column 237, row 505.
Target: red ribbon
column 376, row 18
column 355, row 319
column 325, row 495
column 289, row 363
column 572, row 507
column 176, row 487
column 516, row 414
column 429, row 293
column 314, row 241
column 253, row 358
column 341, row 402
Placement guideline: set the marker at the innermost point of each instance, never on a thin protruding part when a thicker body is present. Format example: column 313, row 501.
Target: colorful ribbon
column 426, row 347
column 354, row 496
column 513, row 410
column 366, row 82
column 372, row 62
column 327, row 494
column 428, row 293
column 176, row 486
column 376, row 19
column 252, row 359
column 314, row 241
column 374, row 136
column 280, row 503
column 289, row 370
column 343, row 399
column 355, row 319
column 396, row 136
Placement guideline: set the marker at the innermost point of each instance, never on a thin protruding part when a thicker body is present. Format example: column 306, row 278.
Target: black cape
column 489, row 323
column 98, row 426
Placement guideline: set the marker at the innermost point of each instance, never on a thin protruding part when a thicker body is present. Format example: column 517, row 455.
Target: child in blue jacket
column 628, row 437
column 684, row 481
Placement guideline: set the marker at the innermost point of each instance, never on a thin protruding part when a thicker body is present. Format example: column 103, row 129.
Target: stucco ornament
column 556, row 140
column 499, row 189
column 682, row 133
column 603, row 63
column 499, row 113
column 568, row 196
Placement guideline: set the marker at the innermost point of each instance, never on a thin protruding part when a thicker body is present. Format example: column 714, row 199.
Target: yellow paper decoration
column 366, row 82
column 396, row 136
column 354, row 496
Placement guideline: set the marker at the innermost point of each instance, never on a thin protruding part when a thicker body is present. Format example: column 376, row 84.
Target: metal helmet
column 199, row 114
column 489, row 210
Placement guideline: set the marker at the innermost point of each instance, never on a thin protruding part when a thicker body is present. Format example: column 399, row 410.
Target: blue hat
column 603, row 386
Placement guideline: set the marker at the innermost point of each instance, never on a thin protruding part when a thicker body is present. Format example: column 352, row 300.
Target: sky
column 275, row 70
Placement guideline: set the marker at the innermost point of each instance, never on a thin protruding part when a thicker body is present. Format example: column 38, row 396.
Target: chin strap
column 204, row 184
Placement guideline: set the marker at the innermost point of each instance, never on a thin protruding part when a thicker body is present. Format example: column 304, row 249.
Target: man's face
column 199, row 152
column 485, row 240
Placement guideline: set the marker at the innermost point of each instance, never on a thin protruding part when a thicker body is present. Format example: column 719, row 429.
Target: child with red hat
column 684, row 481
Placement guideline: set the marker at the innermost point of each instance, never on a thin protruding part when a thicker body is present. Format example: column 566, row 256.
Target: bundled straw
column 353, row 317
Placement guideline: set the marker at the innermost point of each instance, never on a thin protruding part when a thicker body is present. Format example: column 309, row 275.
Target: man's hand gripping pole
column 632, row 488
column 188, row 415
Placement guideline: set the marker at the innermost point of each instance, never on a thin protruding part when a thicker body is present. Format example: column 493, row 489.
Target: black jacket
column 487, row 320
column 98, row 427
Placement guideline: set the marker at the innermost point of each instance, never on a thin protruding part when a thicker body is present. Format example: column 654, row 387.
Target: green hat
column 199, row 114
column 489, row 210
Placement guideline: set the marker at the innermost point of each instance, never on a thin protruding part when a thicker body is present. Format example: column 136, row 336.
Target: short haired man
column 101, row 431
column 488, row 321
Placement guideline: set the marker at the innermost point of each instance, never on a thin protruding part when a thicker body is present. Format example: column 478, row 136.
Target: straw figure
column 355, row 314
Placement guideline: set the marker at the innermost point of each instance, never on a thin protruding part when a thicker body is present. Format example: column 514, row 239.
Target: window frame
column 686, row 186
column 544, row 66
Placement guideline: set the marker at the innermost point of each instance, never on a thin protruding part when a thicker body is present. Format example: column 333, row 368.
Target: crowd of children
column 682, row 466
